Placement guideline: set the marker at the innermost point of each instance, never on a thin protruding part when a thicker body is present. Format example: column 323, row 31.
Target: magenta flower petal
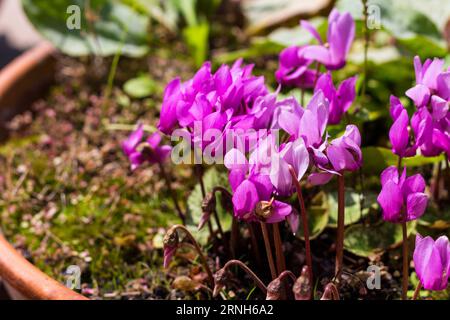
column 439, row 108
column 416, row 203
column 280, row 176
column 391, row 201
column 311, row 29
column 236, row 177
column 420, row 94
column 443, row 85
column 172, row 95
column 263, row 186
column 396, row 107
column 236, row 160
column 135, row 138
column 281, row 210
column 318, row 53
column 390, row 173
column 320, row 178
column 398, row 134
column 413, row 184
column 431, row 262
column 245, row 199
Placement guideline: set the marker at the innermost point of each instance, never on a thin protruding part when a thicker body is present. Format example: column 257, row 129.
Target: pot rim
column 15, row 270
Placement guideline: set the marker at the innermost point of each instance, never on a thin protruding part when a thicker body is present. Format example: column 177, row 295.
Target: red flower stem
column 172, row 193
column 417, row 291
column 244, row 267
column 199, row 251
column 305, row 224
column 234, row 238
column 405, row 280
column 405, row 249
column 255, row 246
column 219, row 226
column 265, row 233
column 287, row 273
column 281, row 262
column 340, row 227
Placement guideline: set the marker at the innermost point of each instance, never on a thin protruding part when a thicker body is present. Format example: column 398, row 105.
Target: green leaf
column 435, row 218
column 211, row 179
column 317, row 217
column 353, row 212
column 376, row 159
column 370, row 241
column 140, row 87
column 112, row 26
column 196, row 38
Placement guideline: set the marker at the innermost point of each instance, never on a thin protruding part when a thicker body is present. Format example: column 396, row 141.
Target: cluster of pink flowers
column 403, row 198
column 430, row 123
column 262, row 175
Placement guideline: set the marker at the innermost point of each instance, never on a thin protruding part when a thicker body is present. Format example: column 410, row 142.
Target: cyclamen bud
column 274, row 290
column 171, row 242
column 302, row 288
column 220, row 280
column 330, row 293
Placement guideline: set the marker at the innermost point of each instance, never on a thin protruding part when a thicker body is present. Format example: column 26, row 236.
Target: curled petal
column 416, row 203
column 420, row 94
column 320, row 178
column 281, row 210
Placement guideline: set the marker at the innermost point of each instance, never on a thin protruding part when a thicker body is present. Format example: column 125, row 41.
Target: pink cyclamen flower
column 340, row 35
column 432, row 262
column 252, row 190
column 294, row 154
column 402, row 198
column 430, row 80
column 340, row 155
column 139, row 151
column 231, row 91
column 293, row 69
column 340, row 99
column 399, row 133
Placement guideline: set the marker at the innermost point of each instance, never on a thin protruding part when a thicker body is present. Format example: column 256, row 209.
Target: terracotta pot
column 23, row 80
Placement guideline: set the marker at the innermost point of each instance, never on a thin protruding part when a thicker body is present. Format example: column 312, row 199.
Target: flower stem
column 234, row 238
column 366, row 50
column 265, row 233
column 255, row 246
column 244, row 267
column 281, row 262
column 172, row 193
column 340, row 227
column 199, row 251
column 305, row 224
column 417, row 291
column 405, row 249
column 405, row 280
